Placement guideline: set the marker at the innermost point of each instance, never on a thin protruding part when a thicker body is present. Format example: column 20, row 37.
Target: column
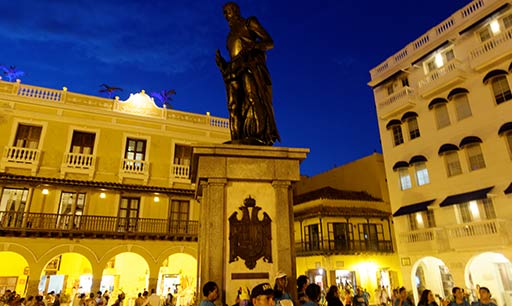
column 284, row 229
column 211, row 250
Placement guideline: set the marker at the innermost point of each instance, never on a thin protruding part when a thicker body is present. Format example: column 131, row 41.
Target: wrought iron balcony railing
column 65, row 225
column 343, row 247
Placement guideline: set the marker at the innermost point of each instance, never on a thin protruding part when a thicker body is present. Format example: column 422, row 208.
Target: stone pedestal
column 226, row 176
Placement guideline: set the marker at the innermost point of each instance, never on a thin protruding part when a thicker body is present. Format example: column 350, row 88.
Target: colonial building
column 343, row 230
column 95, row 193
column 444, row 108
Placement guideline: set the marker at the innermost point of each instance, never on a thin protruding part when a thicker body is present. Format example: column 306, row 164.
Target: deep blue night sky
column 319, row 66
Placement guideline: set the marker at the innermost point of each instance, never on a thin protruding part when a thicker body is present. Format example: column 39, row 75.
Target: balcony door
column 82, row 143
column 71, row 204
column 340, row 235
column 12, row 206
column 27, row 136
column 312, row 237
column 369, row 233
column 128, row 214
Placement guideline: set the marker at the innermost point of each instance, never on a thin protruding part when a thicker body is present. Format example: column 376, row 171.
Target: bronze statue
column 248, row 84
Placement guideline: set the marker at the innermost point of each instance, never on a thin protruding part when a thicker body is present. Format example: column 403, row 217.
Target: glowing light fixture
column 103, row 195
column 45, row 191
column 156, row 199
column 495, row 26
column 439, row 60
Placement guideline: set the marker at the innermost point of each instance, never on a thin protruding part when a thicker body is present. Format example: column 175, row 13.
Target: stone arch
column 430, row 272
column 24, row 251
column 130, row 248
column 491, row 270
column 70, row 248
column 192, row 251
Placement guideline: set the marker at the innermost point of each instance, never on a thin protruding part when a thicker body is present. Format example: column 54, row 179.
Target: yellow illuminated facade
column 343, row 230
column 444, row 107
column 95, row 193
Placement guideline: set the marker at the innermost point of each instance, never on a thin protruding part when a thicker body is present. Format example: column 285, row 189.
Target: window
column 82, row 142
column 341, row 235
column 370, row 233
column 312, row 237
column 509, row 141
column 421, row 220
column 390, row 90
column 405, row 178
column 485, row 34
column 476, row 210
column 507, row 21
column 182, row 155
column 475, row 157
column 179, row 210
column 66, row 209
column 442, row 117
column 128, row 214
column 414, row 130
column 135, row 149
column 501, row 89
column 449, row 55
column 27, row 136
column 398, row 138
column 462, row 107
column 421, row 171
column 405, row 82
column 12, row 206
column 452, row 163
column 431, row 66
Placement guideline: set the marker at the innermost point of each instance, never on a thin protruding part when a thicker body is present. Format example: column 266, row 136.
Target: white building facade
column 444, row 107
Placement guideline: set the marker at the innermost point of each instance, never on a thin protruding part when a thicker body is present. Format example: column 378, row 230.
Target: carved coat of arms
column 250, row 238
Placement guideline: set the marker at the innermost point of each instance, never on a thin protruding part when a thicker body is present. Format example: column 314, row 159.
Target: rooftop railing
column 63, row 96
column 435, row 36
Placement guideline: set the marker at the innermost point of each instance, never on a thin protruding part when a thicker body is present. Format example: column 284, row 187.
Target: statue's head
column 231, row 10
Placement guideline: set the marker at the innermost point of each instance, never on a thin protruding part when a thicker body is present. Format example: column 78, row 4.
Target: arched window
column 402, row 168
column 499, row 85
column 471, row 145
column 459, row 96
column 420, row 169
column 396, row 130
column 441, row 112
column 412, row 124
column 451, row 158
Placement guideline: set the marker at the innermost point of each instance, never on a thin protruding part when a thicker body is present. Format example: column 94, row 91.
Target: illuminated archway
column 491, row 270
column 431, row 273
column 14, row 272
column 67, row 274
column 126, row 272
column 178, row 275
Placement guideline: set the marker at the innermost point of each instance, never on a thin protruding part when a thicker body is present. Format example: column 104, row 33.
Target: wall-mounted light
column 156, row 199
column 45, row 191
column 495, row 27
column 103, row 195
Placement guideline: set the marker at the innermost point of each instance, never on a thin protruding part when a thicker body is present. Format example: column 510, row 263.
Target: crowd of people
column 312, row 295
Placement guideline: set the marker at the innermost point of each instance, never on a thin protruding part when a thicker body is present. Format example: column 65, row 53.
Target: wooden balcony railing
column 343, row 247
column 59, row 225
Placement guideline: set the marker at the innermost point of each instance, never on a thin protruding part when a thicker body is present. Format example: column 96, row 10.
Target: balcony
column 424, row 239
column 180, row 172
column 78, row 163
column 441, row 78
column 479, row 234
column 137, row 169
column 69, row 226
column 397, row 102
column 19, row 157
column 327, row 247
column 491, row 51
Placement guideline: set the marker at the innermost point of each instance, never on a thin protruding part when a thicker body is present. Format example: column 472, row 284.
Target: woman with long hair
column 427, row 299
column 333, row 297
